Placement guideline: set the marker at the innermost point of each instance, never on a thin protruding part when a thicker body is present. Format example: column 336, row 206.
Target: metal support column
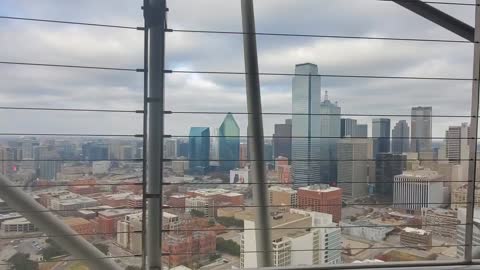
column 67, row 238
column 260, row 189
column 472, row 168
column 155, row 16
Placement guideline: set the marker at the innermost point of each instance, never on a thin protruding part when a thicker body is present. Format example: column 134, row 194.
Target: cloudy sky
column 25, row 86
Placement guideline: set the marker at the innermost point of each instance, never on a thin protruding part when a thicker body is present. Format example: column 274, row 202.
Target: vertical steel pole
column 156, row 13
column 260, row 190
column 144, row 143
column 472, row 168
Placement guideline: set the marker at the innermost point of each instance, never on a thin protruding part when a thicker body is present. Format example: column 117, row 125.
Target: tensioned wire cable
column 308, row 205
column 239, row 73
column 326, row 114
column 165, row 231
column 79, row 259
column 69, row 109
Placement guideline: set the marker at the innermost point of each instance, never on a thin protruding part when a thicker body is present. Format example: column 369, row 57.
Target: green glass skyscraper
column 199, row 149
column 229, row 144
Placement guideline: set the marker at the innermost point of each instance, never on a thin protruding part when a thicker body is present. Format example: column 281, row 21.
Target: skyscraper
column 348, row 127
column 199, row 148
column 381, row 135
column 421, row 138
column 305, row 128
column 387, row 165
column 400, row 137
column 170, row 148
column 353, row 167
column 48, row 163
column 330, row 134
column 229, row 144
column 456, row 143
column 362, row 131
column 282, row 141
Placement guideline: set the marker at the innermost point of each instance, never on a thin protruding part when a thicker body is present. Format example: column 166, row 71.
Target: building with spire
column 329, row 136
column 229, row 144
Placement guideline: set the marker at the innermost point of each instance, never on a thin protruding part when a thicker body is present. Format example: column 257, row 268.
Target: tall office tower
column 348, row 127
column 387, row 166
column 381, row 135
column 400, row 137
column 456, row 144
column 95, row 151
column 170, row 149
column 243, row 155
column 126, row 152
column 229, row 144
column 414, row 190
column 6, row 160
column 330, row 134
column 48, row 163
column 182, row 147
column 353, row 167
column 282, row 141
column 199, row 149
column 362, row 131
column 214, row 154
column 27, row 148
column 305, row 126
column 421, row 133
column 308, row 238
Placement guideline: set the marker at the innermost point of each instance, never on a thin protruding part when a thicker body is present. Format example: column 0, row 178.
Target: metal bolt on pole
column 155, row 16
column 260, row 190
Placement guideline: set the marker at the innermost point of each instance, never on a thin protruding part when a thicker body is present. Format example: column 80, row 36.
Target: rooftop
column 73, row 221
column 320, row 188
column 421, row 173
column 21, row 220
column 416, row 231
column 282, row 189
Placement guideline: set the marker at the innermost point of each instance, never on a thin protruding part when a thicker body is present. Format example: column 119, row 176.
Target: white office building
column 316, row 241
column 414, row 190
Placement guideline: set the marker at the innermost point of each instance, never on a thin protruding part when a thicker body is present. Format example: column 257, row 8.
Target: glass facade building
column 305, row 125
column 381, row 135
column 199, row 148
column 229, row 144
column 400, row 137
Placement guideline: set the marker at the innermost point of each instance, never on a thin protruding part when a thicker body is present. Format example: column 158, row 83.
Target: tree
column 102, row 247
column 52, row 250
column 228, row 246
column 230, row 222
column 197, row 213
column 21, row 261
column 131, row 267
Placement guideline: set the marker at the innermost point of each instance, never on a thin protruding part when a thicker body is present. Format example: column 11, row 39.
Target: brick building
column 321, row 198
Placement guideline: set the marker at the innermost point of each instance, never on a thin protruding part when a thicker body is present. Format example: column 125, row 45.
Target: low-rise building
column 441, row 222
column 416, row 238
column 365, row 230
column 321, row 198
column 18, row 225
column 280, row 196
column 81, row 226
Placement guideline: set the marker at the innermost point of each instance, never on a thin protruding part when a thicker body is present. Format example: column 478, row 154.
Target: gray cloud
column 54, row 43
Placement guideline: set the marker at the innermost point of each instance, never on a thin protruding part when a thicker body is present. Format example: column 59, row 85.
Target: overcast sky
column 94, row 46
